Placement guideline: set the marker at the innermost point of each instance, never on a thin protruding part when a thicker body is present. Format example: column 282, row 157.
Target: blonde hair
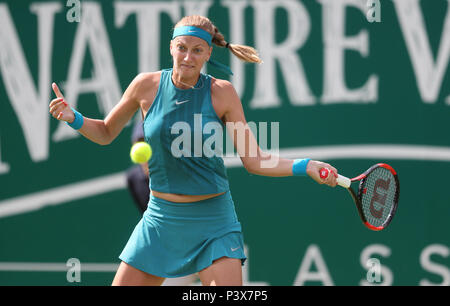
column 244, row 53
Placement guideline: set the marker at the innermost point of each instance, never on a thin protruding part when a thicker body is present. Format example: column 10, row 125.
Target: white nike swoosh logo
column 232, row 250
column 181, row 102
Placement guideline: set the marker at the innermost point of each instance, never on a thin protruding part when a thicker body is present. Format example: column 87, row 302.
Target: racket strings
column 378, row 196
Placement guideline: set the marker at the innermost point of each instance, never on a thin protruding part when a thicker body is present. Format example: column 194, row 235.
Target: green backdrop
column 343, row 90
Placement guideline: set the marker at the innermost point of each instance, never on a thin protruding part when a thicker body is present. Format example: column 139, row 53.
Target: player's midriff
column 183, row 198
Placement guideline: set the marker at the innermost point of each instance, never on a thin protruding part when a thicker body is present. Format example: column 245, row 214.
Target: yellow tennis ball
column 140, row 152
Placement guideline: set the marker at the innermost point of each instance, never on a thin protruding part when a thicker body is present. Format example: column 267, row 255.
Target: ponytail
column 244, row 53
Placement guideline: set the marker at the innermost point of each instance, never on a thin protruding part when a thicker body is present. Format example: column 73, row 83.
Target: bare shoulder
column 219, row 86
column 223, row 91
column 148, row 76
column 147, row 80
column 142, row 85
column 225, row 100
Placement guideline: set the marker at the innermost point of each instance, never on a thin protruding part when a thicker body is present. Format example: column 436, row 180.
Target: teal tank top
column 180, row 126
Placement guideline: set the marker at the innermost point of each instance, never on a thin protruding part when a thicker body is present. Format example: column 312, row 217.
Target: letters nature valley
column 92, row 33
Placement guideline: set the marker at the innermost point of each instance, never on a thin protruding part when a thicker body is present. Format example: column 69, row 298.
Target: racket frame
column 357, row 197
column 346, row 182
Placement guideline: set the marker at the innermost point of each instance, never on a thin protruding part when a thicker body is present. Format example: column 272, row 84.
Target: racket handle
column 341, row 180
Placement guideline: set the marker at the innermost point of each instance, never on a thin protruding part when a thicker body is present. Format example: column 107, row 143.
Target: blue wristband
column 77, row 122
column 299, row 166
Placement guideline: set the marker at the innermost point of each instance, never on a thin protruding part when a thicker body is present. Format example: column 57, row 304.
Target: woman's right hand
column 59, row 108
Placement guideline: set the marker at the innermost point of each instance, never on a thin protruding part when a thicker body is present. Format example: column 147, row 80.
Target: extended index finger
column 57, row 91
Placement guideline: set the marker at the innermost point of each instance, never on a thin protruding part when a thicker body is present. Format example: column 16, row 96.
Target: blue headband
column 200, row 33
column 192, row 31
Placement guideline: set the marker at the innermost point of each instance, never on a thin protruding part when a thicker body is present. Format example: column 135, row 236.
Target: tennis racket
column 377, row 196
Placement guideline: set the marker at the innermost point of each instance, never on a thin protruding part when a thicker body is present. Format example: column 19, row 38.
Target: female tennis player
column 190, row 224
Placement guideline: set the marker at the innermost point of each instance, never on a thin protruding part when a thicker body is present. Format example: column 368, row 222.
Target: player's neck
column 184, row 82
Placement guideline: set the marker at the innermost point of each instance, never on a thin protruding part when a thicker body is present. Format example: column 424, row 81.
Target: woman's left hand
column 313, row 170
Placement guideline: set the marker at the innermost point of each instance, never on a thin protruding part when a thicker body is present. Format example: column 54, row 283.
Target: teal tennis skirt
column 177, row 239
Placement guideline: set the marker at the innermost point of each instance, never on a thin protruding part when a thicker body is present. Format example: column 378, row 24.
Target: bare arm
column 253, row 158
column 105, row 131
